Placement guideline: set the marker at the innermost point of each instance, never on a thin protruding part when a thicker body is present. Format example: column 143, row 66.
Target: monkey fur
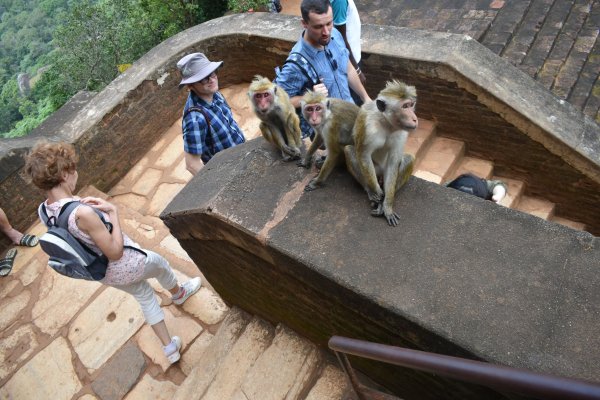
column 379, row 134
column 279, row 124
column 332, row 120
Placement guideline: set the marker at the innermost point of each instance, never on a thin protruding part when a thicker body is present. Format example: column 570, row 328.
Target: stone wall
column 474, row 96
column 459, row 276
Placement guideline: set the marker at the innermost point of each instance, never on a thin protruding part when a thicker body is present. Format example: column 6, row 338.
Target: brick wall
column 120, row 124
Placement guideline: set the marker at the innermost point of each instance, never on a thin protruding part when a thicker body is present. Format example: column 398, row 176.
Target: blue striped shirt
column 331, row 65
column 224, row 131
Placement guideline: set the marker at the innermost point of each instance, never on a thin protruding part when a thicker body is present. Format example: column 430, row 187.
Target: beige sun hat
column 195, row 67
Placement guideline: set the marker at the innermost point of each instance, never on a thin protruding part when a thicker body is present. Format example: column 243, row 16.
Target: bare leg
column 8, row 230
column 160, row 329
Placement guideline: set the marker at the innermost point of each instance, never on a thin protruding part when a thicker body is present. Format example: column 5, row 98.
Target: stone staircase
column 62, row 338
column 440, row 159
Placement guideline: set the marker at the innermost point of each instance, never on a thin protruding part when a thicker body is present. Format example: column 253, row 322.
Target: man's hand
column 321, row 88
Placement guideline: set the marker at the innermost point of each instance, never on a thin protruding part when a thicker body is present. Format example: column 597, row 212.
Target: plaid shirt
column 224, row 131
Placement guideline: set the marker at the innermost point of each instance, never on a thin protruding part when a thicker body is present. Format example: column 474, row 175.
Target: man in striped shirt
column 208, row 125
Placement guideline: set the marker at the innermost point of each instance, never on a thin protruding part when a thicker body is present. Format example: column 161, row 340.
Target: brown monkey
column 380, row 132
column 279, row 123
column 333, row 120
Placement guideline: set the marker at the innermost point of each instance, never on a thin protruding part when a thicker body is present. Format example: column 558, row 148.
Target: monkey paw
column 304, row 163
column 375, row 197
column 312, row 185
column 392, row 218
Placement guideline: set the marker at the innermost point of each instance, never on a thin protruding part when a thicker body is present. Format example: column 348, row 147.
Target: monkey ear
column 380, row 105
column 274, row 90
column 328, row 104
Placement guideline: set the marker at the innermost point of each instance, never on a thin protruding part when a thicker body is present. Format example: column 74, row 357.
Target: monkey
column 379, row 134
column 332, row 120
column 279, row 124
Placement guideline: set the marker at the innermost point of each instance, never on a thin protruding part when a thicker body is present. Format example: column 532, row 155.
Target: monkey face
column 399, row 113
column 263, row 101
column 313, row 113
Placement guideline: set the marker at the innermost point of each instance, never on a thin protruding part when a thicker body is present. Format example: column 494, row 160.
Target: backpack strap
column 202, row 111
column 305, row 67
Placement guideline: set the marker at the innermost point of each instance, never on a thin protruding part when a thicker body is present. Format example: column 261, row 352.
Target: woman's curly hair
column 46, row 163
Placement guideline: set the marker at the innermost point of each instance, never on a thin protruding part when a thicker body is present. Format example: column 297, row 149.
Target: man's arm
column 193, row 163
column 356, row 84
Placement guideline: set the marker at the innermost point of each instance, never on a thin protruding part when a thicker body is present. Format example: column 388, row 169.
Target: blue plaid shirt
column 224, row 131
column 331, row 65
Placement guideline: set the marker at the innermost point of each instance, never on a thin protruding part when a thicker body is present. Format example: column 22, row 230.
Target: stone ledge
column 460, row 276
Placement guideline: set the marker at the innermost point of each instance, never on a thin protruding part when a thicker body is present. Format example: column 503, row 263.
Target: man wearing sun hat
column 208, row 125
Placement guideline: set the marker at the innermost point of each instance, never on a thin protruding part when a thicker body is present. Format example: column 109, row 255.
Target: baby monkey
column 380, row 133
column 279, row 123
column 332, row 120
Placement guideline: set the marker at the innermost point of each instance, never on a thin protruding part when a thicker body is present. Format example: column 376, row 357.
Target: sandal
column 29, row 240
column 7, row 262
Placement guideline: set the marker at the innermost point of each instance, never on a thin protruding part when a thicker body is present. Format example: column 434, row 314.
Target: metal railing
column 524, row 382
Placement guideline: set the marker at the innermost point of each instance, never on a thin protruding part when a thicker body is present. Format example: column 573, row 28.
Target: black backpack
column 471, row 184
column 68, row 255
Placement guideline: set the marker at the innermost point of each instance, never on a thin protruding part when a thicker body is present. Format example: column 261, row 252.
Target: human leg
column 8, row 230
column 155, row 317
column 158, row 267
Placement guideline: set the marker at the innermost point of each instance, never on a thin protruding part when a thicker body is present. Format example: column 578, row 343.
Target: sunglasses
column 330, row 58
column 204, row 81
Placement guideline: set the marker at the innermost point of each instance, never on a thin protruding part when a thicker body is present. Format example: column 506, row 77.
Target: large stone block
column 460, row 276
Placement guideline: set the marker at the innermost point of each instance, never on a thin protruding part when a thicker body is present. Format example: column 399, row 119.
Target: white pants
column 158, row 267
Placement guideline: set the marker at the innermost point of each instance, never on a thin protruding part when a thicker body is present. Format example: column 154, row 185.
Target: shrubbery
column 80, row 45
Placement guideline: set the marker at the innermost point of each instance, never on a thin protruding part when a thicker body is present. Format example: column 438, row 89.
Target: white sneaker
column 174, row 356
column 189, row 288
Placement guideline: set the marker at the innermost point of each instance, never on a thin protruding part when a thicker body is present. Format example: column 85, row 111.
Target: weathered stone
column 147, row 182
column 178, row 325
column 60, row 298
column 133, row 201
column 285, row 359
column 261, row 257
column 331, row 385
column 88, row 396
column 11, row 307
column 202, row 375
column 120, row 373
column 256, row 338
column 16, row 348
column 171, row 244
column 31, row 271
column 193, row 356
column 48, row 375
column 7, row 288
column 149, row 388
column 169, row 155
column 104, row 326
column 180, row 172
column 24, row 256
column 164, row 194
column 207, row 306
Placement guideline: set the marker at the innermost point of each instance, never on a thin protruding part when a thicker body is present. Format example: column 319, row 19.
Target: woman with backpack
column 52, row 168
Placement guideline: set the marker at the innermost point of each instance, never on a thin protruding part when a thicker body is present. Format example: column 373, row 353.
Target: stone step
column 580, row 226
column 293, row 360
column 249, row 359
column 439, row 160
column 201, row 377
column 475, row 166
column 535, row 206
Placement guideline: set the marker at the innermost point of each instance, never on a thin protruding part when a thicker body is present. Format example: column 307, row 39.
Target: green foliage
column 245, row 5
column 80, row 44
